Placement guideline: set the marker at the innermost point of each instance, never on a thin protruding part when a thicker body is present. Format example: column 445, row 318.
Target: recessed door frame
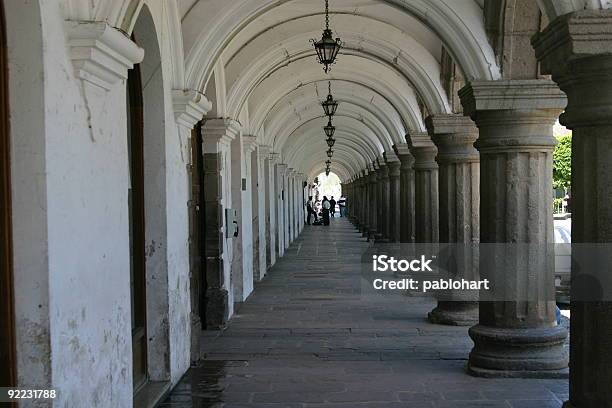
column 137, row 226
column 7, row 314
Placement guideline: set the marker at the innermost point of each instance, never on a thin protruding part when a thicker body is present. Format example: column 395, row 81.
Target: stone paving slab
column 306, row 338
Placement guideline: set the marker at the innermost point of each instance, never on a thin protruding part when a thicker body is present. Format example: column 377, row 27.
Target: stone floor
column 308, row 338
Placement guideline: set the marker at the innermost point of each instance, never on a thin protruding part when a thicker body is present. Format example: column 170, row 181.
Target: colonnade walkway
column 307, row 338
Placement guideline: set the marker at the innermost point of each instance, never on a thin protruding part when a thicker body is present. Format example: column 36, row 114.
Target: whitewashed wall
column 70, row 183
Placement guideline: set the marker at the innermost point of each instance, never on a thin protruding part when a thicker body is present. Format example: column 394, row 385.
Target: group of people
column 328, row 209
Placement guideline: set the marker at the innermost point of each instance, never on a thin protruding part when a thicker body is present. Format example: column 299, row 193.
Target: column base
column 217, row 310
column 518, row 353
column 455, row 314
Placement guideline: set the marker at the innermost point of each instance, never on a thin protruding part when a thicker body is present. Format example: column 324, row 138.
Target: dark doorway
column 136, row 202
column 7, row 316
column 197, row 228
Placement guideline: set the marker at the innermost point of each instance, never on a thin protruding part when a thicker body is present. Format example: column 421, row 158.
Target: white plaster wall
column 71, row 231
column 172, row 302
column 88, row 248
column 271, row 207
column 228, row 243
column 242, row 264
column 29, row 191
column 247, row 227
column 261, row 194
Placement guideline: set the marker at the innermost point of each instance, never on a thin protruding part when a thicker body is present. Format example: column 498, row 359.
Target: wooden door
column 136, row 200
column 7, row 319
column 197, row 227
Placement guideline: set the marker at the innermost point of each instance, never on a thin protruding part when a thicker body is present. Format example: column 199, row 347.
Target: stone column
column 281, row 171
column 385, row 203
column 289, row 199
column 272, row 203
column 395, row 215
column 577, row 50
column 426, row 187
column 459, row 182
column 366, row 204
column 517, row 334
column 217, row 135
column 407, row 204
column 372, row 203
column 381, row 177
column 262, row 153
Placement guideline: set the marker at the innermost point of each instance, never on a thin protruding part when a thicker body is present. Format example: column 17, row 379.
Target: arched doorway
column 148, row 212
column 137, row 226
column 7, row 339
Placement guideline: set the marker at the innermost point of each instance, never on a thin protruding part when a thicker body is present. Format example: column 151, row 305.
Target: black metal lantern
column 329, row 129
column 328, row 163
column 330, row 105
column 330, row 153
column 327, row 47
column 331, row 142
column 327, row 171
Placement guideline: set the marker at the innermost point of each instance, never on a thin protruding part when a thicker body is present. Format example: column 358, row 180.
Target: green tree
column 562, row 162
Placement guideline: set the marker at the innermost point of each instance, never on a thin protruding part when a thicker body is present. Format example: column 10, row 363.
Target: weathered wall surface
column 71, row 233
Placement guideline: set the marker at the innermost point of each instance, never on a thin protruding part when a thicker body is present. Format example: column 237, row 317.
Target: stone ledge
column 576, row 35
column 101, row 54
column 189, row 107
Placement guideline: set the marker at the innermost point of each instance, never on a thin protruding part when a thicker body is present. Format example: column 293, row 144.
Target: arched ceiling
column 254, row 61
column 388, row 70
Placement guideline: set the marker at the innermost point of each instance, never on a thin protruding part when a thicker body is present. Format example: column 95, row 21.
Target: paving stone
column 307, row 338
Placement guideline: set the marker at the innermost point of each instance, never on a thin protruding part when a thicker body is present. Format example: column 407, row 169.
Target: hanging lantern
column 328, row 163
column 330, row 153
column 330, row 106
column 329, row 129
column 331, row 142
column 327, row 171
column 327, row 47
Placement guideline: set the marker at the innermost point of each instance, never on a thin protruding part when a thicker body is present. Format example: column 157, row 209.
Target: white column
column 262, row 154
column 189, row 108
column 281, row 170
column 217, row 136
column 271, row 206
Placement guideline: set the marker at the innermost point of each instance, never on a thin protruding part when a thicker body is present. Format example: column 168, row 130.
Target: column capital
column 577, row 35
column 393, row 168
column 576, row 49
column 219, row 132
column 513, row 95
column 454, row 135
column 274, row 157
column 514, row 114
column 263, row 151
column 282, row 168
column 423, row 149
column 101, row 54
column 189, row 107
column 249, row 143
column 402, row 151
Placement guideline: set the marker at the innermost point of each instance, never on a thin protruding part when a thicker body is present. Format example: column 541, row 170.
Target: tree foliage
column 562, row 162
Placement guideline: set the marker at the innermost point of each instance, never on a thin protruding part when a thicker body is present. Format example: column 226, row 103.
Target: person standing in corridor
column 332, row 209
column 326, row 207
column 310, row 210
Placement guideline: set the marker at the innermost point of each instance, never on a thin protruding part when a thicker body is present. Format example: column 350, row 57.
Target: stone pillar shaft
column 577, row 50
column 407, row 204
column 372, row 204
column 426, row 188
column 517, row 334
column 395, row 215
column 459, row 181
